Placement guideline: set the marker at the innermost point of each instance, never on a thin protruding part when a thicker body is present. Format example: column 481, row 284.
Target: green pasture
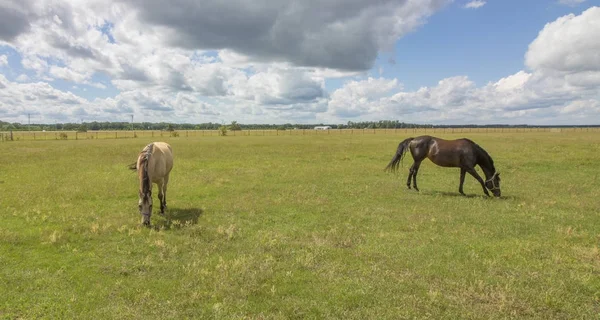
column 300, row 227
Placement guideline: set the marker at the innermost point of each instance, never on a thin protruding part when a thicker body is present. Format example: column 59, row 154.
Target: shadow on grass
column 177, row 218
column 456, row 194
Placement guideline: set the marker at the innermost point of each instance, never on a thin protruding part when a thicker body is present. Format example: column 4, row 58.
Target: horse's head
column 493, row 184
column 145, row 206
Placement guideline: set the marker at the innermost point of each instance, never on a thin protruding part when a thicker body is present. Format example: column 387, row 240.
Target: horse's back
column 162, row 156
column 449, row 153
column 164, row 148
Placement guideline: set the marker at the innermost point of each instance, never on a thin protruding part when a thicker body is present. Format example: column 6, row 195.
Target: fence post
column 76, row 138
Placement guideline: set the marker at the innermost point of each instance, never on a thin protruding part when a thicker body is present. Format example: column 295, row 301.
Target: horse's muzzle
column 146, row 219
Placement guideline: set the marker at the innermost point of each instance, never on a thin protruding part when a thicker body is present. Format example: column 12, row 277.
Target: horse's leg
column 161, row 196
column 462, row 180
column 410, row 174
column 165, row 191
column 475, row 175
column 416, row 169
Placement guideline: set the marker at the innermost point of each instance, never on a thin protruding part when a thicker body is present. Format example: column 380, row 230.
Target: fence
column 73, row 135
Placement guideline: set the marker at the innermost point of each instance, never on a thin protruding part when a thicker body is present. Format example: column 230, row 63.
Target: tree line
column 234, row 125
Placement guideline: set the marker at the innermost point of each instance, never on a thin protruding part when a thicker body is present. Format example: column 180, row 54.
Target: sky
column 288, row 61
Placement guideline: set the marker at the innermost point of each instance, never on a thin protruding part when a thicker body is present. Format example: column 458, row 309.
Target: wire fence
column 74, row 135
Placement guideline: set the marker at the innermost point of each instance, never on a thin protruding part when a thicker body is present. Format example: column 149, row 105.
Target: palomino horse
column 462, row 153
column 153, row 165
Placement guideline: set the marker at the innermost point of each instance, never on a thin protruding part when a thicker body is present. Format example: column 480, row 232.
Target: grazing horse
column 153, row 165
column 462, row 153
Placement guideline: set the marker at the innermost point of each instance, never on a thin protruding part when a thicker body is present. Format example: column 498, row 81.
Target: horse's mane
column 483, row 157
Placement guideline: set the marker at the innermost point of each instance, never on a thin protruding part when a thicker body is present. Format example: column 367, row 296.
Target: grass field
column 300, row 227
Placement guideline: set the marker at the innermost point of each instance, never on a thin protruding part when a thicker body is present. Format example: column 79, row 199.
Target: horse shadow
column 458, row 195
column 177, row 218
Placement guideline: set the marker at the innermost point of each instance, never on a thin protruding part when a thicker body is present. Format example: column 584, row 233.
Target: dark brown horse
column 461, row 153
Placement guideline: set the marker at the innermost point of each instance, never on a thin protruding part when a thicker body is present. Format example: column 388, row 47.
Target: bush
column 63, row 136
column 174, row 134
column 223, row 130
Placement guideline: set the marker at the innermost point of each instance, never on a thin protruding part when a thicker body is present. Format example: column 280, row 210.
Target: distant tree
column 235, row 126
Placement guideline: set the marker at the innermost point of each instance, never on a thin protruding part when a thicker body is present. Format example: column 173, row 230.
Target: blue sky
column 430, row 60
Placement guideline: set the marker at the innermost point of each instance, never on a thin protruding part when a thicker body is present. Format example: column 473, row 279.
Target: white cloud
column 512, row 82
column 68, row 74
column 3, row 60
column 281, row 87
column 17, row 99
column 96, row 85
column 515, row 99
column 22, row 78
column 569, row 44
column 360, row 98
column 475, row 4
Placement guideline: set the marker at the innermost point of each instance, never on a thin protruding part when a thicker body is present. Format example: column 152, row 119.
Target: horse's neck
column 487, row 170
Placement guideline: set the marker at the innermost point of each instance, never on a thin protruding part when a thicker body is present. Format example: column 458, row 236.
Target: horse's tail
column 402, row 147
column 132, row 166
